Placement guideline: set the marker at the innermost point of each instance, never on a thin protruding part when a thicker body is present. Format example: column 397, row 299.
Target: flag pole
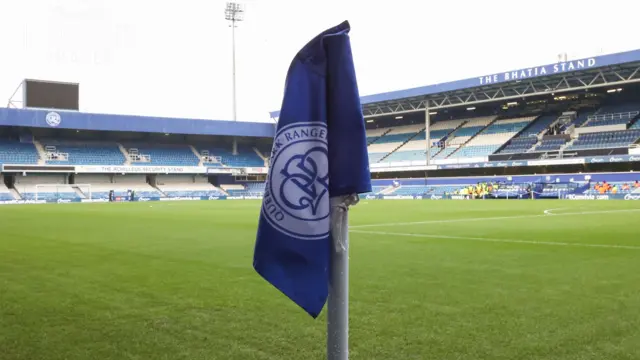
column 338, row 303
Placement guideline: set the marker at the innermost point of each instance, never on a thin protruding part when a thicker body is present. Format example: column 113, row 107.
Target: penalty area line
column 494, row 240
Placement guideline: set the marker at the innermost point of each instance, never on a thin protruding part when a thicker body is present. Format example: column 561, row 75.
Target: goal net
column 62, row 191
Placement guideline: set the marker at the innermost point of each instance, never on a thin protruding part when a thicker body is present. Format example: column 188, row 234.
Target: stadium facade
column 574, row 122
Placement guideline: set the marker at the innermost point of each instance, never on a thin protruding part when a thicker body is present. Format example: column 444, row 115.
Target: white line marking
column 513, row 241
column 489, row 218
column 550, row 211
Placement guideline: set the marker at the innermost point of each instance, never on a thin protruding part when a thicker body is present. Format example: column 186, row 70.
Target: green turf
column 174, row 281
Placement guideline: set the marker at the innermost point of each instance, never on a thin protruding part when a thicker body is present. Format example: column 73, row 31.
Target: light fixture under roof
column 398, row 117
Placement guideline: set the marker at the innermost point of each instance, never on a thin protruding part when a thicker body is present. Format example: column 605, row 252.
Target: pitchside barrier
column 123, row 199
column 515, row 197
column 364, row 197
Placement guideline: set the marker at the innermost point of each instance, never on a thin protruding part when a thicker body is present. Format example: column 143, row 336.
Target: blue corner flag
column 319, row 151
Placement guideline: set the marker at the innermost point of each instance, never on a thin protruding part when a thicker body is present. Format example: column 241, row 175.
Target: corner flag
column 319, row 152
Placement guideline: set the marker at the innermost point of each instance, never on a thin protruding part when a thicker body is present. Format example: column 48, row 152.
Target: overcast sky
column 173, row 58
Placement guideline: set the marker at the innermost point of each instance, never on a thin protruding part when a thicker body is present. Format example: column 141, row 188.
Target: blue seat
column 550, row 145
column 468, row 131
column 250, row 189
column 123, row 193
column 475, row 151
column 519, row 145
column 246, row 157
column 51, row 196
column 433, row 135
column 606, row 140
column 500, row 128
column 375, row 157
column 193, row 193
column 614, row 115
column 444, row 153
column 15, row 152
column 409, row 155
column 87, row 153
column 165, row 155
column 538, row 125
column 394, row 138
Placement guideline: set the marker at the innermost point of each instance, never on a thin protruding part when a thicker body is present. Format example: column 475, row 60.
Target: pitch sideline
column 490, row 218
column 495, row 240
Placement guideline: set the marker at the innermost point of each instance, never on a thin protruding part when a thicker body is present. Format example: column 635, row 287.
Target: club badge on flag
column 319, row 152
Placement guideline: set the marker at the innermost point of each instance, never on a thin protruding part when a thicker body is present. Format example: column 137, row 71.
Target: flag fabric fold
column 319, row 151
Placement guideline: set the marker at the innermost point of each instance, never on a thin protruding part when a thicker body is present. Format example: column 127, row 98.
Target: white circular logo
column 296, row 198
column 53, row 119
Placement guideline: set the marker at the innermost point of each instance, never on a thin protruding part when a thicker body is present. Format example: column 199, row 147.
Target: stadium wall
column 106, row 181
column 611, row 177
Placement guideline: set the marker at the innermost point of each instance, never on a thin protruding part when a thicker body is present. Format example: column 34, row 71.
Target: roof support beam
column 496, row 88
column 506, row 92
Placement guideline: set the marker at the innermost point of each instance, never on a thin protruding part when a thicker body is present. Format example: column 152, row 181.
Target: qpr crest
column 296, row 198
column 53, row 119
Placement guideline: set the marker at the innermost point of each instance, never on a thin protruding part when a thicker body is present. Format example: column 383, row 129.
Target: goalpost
column 60, row 190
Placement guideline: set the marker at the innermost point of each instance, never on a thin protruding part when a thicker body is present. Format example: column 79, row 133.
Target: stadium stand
column 234, row 189
column 582, row 118
column 537, row 126
column 375, row 157
column 399, row 134
column 120, row 184
column 462, row 139
column 415, row 148
column 462, row 134
column 244, row 189
column 613, row 115
column 411, row 190
column 246, row 157
column 32, row 187
column 605, row 140
column 255, row 187
column 490, row 139
column 5, row 194
column 444, row 153
column 186, row 186
column 519, row 145
column 417, row 190
column 265, row 150
column 162, row 155
column 550, row 144
column 15, row 152
column 392, row 140
column 82, row 153
column 374, row 134
column 618, row 187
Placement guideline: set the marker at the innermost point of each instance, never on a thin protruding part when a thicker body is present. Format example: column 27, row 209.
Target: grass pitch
column 439, row 280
